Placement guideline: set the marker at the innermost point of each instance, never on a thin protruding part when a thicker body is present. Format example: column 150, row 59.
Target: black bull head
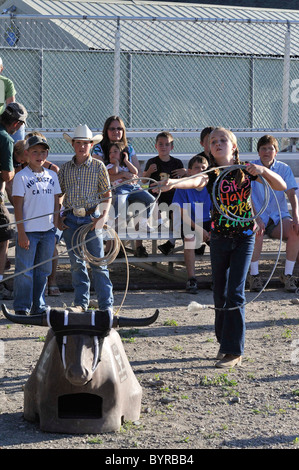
column 79, row 336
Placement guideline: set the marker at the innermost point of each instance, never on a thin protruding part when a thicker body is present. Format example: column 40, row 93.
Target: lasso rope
column 117, row 244
column 194, row 306
column 80, row 248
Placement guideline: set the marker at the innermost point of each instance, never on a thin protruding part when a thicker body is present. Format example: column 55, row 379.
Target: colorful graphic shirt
column 233, row 200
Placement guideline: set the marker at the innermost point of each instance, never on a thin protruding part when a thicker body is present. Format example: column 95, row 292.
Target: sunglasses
column 115, row 128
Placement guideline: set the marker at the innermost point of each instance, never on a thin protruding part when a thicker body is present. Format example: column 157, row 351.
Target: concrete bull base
column 113, row 394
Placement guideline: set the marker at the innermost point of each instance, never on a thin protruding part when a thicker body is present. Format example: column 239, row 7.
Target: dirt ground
column 187, row 403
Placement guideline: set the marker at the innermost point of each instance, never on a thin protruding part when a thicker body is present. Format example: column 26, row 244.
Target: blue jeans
column 80, row 278
column 230, row 260
column 29, row 287
column 131, row 193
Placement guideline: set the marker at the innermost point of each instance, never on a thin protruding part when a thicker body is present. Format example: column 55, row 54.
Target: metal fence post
column 286, row 78
column 116, row 96
column 41, row 88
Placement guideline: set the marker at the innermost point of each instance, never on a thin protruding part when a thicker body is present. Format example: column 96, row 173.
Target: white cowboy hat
column 83, row 133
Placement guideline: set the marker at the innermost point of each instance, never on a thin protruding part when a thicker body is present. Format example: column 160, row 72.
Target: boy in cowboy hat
column 84, row 182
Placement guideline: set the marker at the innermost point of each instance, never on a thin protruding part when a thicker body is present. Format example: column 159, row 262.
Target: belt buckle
column 81, row 212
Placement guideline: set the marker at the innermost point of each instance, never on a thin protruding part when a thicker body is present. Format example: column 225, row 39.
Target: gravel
column 187, row 403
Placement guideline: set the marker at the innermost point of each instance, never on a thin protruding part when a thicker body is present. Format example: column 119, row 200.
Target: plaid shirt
column 83, row 185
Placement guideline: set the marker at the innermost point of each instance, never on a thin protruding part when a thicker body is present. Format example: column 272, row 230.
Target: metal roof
column 157, row 9
column 174, row 27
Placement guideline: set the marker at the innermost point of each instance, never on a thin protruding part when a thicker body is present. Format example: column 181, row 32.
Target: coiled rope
column 80, row 248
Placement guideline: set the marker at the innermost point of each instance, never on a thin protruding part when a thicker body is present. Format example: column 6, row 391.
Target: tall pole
column 116, row 97
column 286, row 78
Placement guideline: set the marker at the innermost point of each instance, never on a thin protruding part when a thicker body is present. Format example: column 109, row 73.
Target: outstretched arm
column 276, row 182
column 199, row 181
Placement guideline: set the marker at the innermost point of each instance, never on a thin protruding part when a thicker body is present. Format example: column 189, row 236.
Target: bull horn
column 124, row 321
column 39, row 320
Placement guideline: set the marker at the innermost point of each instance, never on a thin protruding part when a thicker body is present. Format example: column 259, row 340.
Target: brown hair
column 106, row 141
column 18, row 150
column 267, row 139
column 31, row 134
column 165, row 134
column 197, row 159
column 206, row 131
column 121, row 147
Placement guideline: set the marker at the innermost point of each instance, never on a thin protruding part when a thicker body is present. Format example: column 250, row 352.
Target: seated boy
column 161, row 167
column 269, row 221
column 188, row 199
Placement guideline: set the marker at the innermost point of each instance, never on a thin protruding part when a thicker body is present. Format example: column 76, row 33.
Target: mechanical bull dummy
column 83, row 381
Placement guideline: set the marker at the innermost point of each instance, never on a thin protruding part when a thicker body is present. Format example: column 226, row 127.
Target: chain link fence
column 156, row 73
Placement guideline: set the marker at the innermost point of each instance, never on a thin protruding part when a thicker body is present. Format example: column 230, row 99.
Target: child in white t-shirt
column 36, row 203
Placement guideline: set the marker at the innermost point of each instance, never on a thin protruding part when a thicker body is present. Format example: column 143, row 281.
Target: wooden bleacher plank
column 174, row 258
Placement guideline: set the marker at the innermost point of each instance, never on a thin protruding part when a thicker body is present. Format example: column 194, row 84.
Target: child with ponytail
column 232, row 241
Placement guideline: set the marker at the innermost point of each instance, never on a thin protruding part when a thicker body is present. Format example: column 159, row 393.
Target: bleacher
column 156, row 262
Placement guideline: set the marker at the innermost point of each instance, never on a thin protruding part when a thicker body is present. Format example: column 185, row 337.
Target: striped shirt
column 83, row 185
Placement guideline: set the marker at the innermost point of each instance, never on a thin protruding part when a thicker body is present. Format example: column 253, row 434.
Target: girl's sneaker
column 229, row 361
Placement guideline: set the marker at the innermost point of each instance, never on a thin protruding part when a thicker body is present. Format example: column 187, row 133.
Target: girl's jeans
column 29, row 287
column 80, row 278
column 230, row 260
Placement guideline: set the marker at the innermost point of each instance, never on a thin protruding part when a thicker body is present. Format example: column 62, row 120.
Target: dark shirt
column 164, row 170
column 235, row 199
column 6, row 150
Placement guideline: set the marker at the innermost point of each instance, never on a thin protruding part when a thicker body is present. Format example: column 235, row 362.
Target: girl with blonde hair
column 232, row 239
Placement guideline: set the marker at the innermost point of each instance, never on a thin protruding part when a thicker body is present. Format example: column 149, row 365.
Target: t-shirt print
column 234, row 202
